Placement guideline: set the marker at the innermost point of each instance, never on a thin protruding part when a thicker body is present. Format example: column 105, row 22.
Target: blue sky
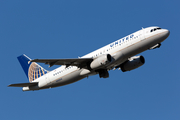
column 72, row 28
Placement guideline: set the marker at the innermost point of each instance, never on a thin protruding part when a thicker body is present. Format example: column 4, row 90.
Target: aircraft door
column 142, row 34
column 47, row 79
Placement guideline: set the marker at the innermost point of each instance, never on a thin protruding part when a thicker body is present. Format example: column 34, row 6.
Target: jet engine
column 100, row 61
column 133, row 63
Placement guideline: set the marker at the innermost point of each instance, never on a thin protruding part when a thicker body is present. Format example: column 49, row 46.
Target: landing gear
column 155, row 46
column 103, row 73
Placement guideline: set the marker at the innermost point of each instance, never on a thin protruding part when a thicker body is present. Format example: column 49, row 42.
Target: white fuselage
column 120, row 51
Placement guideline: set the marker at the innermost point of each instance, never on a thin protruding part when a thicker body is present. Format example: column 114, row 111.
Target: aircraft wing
column 79, row 62
column 23, row 84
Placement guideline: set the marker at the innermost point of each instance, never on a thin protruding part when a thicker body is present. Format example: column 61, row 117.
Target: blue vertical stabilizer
column 31, row 69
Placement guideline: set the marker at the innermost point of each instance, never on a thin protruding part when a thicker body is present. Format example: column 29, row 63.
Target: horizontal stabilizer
column 23, row 84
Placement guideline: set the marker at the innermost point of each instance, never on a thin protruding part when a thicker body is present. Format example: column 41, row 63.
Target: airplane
column 116, row 55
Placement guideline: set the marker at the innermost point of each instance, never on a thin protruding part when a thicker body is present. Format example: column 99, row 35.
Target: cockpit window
column 155, row 29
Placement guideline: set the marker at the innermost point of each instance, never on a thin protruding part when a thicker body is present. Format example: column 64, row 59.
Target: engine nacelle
column 100, row 61
column 133, row 63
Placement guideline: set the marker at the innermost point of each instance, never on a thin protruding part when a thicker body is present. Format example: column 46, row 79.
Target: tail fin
column 31, row 69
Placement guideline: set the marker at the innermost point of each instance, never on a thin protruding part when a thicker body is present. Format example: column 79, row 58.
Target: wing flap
column 23, row 84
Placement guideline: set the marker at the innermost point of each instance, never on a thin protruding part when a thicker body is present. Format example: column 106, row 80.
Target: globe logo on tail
column 35, row 71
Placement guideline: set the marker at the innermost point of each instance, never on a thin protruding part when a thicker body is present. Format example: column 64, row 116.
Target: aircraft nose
column 166, row 33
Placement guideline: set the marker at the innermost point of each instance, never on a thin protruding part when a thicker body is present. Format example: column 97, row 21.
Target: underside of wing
column 79, row 62
column 23, row 84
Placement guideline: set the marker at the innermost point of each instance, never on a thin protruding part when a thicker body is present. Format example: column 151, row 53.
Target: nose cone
column 165, row 33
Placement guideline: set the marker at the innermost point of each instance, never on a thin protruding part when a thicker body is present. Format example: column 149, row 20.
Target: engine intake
column 100, row 61
column 133, row 63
